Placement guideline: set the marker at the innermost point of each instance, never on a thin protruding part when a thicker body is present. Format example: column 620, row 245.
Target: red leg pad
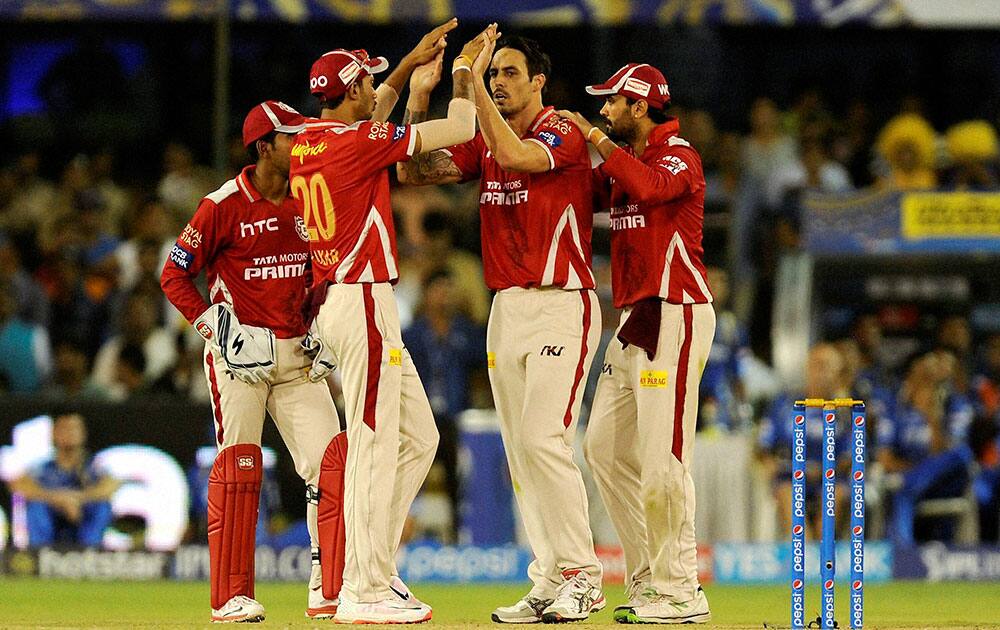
column 330, row 515
column 233, row 501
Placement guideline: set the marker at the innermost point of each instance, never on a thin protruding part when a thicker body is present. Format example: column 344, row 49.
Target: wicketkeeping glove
column 247, row 350
column 323, row 361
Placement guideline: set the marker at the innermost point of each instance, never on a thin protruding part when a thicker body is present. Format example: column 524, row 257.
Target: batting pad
column 330, row 515
column 233, row 500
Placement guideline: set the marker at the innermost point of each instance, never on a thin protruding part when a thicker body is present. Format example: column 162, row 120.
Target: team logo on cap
column 799, row 419
column 638, row 86
column 859, row 475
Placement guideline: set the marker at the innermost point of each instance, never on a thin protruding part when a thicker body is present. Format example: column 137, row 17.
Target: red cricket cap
column 271, row 116
column 335, row 71
column 637, row 81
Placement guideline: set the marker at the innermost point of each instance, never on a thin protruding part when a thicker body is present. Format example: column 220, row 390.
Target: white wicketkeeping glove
column 323, row 361
column 247, row 350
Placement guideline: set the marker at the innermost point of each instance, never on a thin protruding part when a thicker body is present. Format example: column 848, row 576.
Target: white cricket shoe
column 319, row 607
column 639, row 594
column 402, row 591
column 663, row 609
column 528, row 609
column 388, row 611
column 239, row 609
column 575, row 599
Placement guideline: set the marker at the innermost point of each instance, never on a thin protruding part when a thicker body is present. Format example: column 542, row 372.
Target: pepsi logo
column 797, row 530
column 856, row 585
column 799, row 419
column 799, row 474
column 858, row 530
column 859, row 475
column 828, row 584
column 796, row 584
column 859, row 421
column 830, row 417
column 830, row 473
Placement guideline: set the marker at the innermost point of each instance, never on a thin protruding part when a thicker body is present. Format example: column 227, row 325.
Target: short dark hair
column 332, row 103
column 536, row 59
column 658, row 116
column 252, row 151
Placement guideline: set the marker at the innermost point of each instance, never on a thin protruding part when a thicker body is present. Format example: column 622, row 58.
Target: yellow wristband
column 592, row 130
column 455, row 65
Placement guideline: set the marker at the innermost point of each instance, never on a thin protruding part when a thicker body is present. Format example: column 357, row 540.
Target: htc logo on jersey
column 552, row 351
column 258, row 227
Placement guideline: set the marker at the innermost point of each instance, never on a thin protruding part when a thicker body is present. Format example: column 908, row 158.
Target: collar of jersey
column 542, row 115
column 663, row 132
column 245, row 182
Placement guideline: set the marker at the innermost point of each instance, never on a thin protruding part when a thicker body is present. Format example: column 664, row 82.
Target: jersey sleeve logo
column 550, row 138
column 673, row 164
column 181, row 257
column 304, row 150
column 300, row 228
column 399, row 133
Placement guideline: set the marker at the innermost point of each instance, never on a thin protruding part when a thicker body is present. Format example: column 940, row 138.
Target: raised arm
column 431, row 167
column 429, row 46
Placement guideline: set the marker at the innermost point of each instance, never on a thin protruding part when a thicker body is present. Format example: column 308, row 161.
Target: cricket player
column 249, row 238
column 544, row 327
column 338, row 174
column 641, row 435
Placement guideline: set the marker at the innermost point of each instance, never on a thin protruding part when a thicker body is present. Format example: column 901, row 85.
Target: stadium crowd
column 82, row 316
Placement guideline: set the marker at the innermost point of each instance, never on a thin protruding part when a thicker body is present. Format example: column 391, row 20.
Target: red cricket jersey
column 254, row 254
column 535, row 226
column 339, row 175
column 657, row 215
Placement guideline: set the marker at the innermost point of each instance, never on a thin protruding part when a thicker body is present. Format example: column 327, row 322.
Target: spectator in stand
column 852, row 144
column 824, row 379
column 920, row 444
column 151, row 223
column 974, row 149
column 447, row 348
column 724, row 406
column 57, row 227
column 183, row 185
column 25, row 354
column 984, row 440
column 138, row 327
column 29, row 296
column 116, row 198
column 32, row 195
column 67, row 496
column 874, row 374
column 71, row 375
column 986, row 384
column 465, row 268
column 907, row 144
column 767, row 151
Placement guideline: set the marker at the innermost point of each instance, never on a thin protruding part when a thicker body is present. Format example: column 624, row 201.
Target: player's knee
column 597, row 458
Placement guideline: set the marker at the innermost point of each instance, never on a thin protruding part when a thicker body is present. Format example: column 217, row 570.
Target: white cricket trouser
column 540, row 344
column 639, row 445
column 303, row 411
column 391, row 433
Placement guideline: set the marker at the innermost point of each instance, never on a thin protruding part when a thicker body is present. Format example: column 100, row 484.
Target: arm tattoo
column 430, row 167
column 462, row 88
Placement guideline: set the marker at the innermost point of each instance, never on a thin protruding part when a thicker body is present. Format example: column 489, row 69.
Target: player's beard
column 621, row 132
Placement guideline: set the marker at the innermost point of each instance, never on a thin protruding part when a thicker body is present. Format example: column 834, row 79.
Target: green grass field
column 63, row 604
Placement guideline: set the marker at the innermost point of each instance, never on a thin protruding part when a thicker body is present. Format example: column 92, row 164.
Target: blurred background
column 852, row 230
